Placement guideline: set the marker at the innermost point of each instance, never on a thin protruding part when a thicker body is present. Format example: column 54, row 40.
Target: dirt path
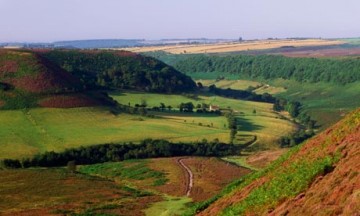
column 190, row 180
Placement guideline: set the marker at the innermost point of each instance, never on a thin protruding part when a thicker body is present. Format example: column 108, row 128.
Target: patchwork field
column 235, row 47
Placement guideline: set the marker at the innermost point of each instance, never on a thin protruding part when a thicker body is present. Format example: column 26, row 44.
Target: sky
column 54, row 20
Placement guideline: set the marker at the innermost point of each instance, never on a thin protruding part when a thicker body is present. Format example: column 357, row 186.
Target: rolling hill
column 29, row 80
column 65, row 79
column 321, row 177
column 121, row 69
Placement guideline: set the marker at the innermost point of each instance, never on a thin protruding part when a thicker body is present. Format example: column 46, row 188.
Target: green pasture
column 26, row 132
column 325, row 102
column 265, row 124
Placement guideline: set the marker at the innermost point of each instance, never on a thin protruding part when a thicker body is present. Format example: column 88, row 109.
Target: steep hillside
column 28, row 72
column 29, row 80
column 321, row 177
column 120, row 69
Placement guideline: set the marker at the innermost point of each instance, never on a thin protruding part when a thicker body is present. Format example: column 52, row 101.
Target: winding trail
column 189, row 174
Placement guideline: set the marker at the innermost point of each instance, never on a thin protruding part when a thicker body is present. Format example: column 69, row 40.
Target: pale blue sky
column 52, row 20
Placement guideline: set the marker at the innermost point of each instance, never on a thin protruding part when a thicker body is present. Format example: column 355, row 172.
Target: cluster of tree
column 232, row 125
column 186, row 107
column 295, row 139
column 242, row 94
column 117, row 152
column 105, row 69
column 294, row 108
column 336, row 70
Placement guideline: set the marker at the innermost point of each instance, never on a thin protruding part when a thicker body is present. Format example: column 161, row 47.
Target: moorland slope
column 321, row 177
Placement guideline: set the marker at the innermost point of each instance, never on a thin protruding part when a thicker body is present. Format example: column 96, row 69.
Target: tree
column 233, row 133
column 71, row 166
column 162, row 106
column 143, row 103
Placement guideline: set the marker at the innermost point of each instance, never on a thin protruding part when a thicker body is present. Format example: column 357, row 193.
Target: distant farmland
column 236, row 46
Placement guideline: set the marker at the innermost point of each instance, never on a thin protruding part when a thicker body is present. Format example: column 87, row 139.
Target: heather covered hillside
column 321, row 177
column 29, row 80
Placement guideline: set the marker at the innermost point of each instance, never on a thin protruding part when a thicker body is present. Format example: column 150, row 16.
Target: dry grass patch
column 235, row 47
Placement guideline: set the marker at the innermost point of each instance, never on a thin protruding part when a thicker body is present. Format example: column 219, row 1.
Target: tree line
column 335, row 70
column 148, row 148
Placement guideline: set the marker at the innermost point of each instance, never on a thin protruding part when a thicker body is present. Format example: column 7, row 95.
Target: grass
column 260, row 88
column 325, row 102
column 130, row 170
column 27, row 132
column 287, row 183
column 171, row 206
column 240, row 161
column 267, row 125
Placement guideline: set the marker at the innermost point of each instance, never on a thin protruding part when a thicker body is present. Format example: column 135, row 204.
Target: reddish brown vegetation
column 176, row 185
column 210, row 176
column 335, row 192
column 44, row 192
column 323, row 52
column 9, row 66
column 263, row 159
column 68, row 101
column 43, row 77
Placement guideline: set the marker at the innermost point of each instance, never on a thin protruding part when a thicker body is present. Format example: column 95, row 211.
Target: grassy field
column 235, row 47
column 27, row 132
column 325, row 102
column 260, row 87
column 266, row 125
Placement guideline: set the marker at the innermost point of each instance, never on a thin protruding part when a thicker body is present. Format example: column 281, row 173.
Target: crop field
column 235, row 47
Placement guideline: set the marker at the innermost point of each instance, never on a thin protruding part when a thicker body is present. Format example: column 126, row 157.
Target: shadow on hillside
column 246, row 125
